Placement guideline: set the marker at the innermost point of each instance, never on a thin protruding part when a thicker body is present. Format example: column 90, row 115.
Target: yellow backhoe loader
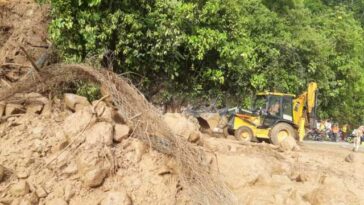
column 276, row 116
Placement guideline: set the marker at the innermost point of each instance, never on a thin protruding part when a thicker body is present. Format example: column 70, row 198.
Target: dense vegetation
column 223, row 49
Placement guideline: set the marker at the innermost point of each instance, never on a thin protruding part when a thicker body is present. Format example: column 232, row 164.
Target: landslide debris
column 100, row 153
column 23, row 23
column 121, row 150
column 70, row 157
column 92, row 127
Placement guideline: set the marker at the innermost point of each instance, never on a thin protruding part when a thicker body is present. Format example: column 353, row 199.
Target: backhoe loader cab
column 275, row 116
column 277, row 105
column 273, row 107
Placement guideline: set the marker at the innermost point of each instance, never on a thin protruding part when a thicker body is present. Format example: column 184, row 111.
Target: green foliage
column 42, row 1
column 89, row 90
column 225, row 49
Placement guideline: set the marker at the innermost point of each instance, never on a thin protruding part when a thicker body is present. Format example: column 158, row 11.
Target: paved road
column 345, row 145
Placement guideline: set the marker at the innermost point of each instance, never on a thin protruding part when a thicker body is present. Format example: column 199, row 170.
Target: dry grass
column 203, row 184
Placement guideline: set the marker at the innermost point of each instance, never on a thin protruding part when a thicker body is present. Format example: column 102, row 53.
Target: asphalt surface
column 345, row 145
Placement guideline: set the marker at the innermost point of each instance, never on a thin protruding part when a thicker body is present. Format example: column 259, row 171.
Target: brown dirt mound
column 23, row 23
column 50, row 166
column 204, row 185
column 82, row 164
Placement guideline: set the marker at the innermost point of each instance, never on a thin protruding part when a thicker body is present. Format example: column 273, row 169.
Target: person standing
column 344, row 130
column 328, row 125
column 358, row 133
column 322, row 126
column 328, row 129
column 335, row 132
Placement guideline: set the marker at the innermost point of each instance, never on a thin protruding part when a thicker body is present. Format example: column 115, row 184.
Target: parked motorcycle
column 315, row 135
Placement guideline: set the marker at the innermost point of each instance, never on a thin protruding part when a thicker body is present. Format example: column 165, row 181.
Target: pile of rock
column 183, row 126
column 83, row 153
column 82, row 148
column 25, row 103
column 101, row 123
column 98, row 126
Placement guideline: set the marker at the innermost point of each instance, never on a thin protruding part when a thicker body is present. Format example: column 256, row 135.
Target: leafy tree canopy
column 224, row 49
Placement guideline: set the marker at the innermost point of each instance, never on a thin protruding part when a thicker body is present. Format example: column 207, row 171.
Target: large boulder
column 75, row 102
column 92, row 167
column 34, row 108
column 100, row 133
column 180, row 124
column 19, row 189
column 116, row 198
column 87, row 160
column 121, row 132
column 78, row 121
column 94, row 177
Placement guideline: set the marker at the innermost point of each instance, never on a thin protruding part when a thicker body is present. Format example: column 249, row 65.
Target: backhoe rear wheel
column 281, row 131
column 244, row 134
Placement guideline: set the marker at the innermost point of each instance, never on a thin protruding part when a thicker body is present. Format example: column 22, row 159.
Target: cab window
column 260, row 103
column 287, row 108
column 274, row 106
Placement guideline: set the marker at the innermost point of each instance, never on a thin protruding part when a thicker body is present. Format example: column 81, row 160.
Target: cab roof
column 276, row 94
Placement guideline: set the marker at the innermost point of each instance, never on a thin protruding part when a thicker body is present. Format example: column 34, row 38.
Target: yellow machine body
column 253, row 123
column 302, row 107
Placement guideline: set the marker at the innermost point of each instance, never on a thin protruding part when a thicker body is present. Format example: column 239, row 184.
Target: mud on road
column 316, row 174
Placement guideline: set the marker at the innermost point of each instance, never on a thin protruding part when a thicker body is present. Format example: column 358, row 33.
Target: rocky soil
column 23, row 23
column 72, row 151
column 76, row 152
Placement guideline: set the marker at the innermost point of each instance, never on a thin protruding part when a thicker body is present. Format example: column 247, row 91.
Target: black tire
column 276, row 138
column 244, row 134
